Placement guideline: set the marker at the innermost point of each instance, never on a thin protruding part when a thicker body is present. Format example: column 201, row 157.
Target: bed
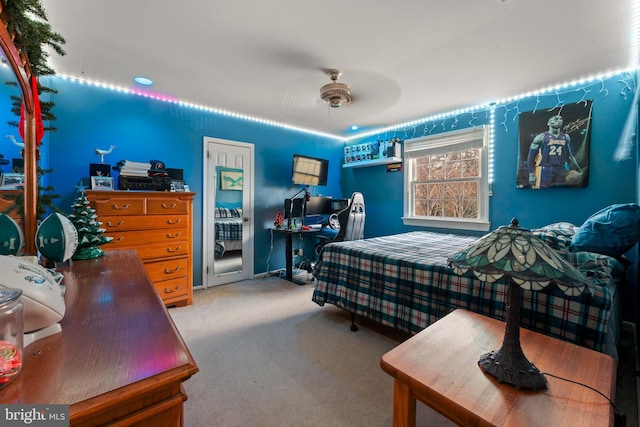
column 403, row 281
column 228, row 230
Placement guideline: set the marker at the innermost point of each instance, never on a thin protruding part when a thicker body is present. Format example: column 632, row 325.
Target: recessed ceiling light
column 354, row 127
column 143, row 81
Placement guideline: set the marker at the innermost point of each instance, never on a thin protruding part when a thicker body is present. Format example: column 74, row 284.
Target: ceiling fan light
column 335, row 94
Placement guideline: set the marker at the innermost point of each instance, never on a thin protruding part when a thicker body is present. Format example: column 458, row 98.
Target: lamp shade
column 514, row 253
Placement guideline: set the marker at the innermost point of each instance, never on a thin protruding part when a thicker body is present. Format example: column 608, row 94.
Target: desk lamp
column 523, row 261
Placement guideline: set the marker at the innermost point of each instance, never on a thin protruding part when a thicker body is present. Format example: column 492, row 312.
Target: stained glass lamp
column 523, row 261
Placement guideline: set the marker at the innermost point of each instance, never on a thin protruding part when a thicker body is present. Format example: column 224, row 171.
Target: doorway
column 227, row 248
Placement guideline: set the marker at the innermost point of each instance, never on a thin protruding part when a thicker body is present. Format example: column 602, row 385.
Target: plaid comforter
column 402, row 281
column 228, row 229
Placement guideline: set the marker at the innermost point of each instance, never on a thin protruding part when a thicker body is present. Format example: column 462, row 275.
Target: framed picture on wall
column 101, row 183
column 554, row 147
column 231, row 180
column 11, row 181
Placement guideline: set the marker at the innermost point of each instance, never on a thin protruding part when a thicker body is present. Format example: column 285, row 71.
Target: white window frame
column 476, row 137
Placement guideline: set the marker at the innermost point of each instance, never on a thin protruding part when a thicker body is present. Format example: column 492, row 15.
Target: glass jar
column 11, row 334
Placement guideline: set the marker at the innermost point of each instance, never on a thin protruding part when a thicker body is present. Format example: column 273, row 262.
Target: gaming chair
column 352, row 219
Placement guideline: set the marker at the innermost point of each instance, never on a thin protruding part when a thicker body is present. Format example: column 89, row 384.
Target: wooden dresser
column 119, row 359
column 159, row 226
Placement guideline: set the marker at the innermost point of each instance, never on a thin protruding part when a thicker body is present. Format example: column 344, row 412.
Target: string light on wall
column 490, row 149
column 634, row 51
column 627, row 81
column 428, row 123
column 510, row 105
column 176, row 101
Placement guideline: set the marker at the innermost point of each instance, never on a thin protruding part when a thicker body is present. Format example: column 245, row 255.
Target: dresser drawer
column 144, row 237
column 172, row 289
column 166, row 270
column 119, row 206
column 149, row 222
column 6, row 204
column 160, row 250
column 169, row 205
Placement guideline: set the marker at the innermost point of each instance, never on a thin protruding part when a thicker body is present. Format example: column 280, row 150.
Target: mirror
column 22, row 72
column 228, row 221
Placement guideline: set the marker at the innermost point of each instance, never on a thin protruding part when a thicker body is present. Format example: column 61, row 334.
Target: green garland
column 33, row 35
column 28, row 20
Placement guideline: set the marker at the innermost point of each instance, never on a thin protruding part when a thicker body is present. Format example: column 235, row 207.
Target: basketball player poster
column 554, row 147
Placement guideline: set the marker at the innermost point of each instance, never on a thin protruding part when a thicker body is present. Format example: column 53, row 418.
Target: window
column 446, row 180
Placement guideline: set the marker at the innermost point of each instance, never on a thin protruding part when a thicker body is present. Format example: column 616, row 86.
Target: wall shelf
column 375, row 162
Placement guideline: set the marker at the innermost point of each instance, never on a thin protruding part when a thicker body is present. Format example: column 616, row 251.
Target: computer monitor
column 293, row 208
column 318, row 206
column 339, row 204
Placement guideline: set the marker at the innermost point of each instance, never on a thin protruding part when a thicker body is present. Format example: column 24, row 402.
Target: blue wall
column 610, row 181
column 143, row 129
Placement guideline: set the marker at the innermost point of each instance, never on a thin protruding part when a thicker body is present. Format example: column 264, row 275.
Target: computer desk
column 289, row 233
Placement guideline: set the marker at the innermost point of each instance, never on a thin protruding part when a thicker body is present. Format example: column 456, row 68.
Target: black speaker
column 175, row 174
column 17, row 165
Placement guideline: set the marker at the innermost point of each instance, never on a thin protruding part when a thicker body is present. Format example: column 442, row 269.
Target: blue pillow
column 611, row 231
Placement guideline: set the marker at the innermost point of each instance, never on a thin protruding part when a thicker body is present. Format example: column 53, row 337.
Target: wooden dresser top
column 117, row 340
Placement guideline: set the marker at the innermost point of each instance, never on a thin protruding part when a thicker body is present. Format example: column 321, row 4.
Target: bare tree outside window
column 446, row 185
column 446, row 177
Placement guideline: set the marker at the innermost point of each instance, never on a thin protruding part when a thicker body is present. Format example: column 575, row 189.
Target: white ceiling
column 403, row 59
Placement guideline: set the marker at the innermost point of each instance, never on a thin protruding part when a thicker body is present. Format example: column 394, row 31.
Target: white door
column 228, row 237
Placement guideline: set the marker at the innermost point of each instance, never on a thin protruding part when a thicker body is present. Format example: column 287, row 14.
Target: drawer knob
column 115, row 225
column 178, row 221
column 173, row 236
column 174, row 250
column 164, row 206
column 168, row 291
column 169, row 271
column 127, row 206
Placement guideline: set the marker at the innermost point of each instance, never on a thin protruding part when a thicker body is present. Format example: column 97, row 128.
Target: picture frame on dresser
column 102, row 183
column 11, row 181
column 177, row 185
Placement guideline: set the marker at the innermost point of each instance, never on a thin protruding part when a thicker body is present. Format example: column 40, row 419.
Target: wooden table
column 119, row 358
column 439, row 367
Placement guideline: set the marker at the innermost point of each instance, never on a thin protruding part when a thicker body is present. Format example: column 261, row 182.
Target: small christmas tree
column 90, row 235
column 279, row 220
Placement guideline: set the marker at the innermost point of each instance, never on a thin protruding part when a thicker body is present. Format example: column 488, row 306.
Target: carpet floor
column 269, row 356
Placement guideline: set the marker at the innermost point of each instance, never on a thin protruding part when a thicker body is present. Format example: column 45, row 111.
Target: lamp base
column 512, row 367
